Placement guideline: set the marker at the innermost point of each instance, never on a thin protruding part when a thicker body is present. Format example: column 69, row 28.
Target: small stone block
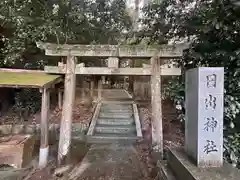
column 17, row 129
column 16, row 150
column 113, row 62
column 204, row 116
column 184, row 168
column 5, row 129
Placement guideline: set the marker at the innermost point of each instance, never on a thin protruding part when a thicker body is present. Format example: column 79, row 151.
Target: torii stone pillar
column 157, row 128
column 66, row 121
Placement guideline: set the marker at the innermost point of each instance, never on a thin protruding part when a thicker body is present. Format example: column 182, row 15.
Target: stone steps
column 101, row 138
column 115, row 115
column 117, row 129
column 110, row 110
column 114, row 122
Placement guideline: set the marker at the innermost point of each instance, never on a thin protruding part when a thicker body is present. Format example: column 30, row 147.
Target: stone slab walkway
column 109, row 162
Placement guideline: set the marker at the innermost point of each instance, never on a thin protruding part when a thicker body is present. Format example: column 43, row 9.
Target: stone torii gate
column 156, row 54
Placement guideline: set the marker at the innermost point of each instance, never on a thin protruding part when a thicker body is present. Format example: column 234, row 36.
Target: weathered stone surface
column 5, row 129
column 109, row 162
column 113, row 71
column 78, row 131
column 186, row 169
column 35, row 129
column 116, row 129
column 12, row 173
column 168, row 51
column 115, row 122
column 16, row 150
column 113, row 62
column 165, row 172
column 204, row 116
column 114, row 115
column 61, row 170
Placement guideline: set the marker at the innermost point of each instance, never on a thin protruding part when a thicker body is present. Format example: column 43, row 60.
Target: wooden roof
column 27, row 79
column 130, row 51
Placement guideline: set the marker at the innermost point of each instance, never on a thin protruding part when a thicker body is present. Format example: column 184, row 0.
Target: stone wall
column 78, row 131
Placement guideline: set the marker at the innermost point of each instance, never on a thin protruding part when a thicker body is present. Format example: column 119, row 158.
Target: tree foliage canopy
column 61, row 21
column 213, row 29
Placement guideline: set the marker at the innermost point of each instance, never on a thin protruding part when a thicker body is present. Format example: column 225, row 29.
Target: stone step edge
column 112, row 137
column 115, row 123
column 114, row 131
column 164, row 171
column 117, row 127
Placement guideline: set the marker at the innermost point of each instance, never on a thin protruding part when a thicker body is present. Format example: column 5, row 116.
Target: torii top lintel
column 130, row 51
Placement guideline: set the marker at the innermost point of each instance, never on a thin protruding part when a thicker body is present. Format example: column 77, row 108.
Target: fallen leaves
column 173, row 137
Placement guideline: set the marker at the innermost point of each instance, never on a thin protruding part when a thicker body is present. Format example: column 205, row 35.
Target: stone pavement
column 110, row 162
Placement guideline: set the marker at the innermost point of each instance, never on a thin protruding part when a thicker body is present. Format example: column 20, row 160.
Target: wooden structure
column 113, row 52
column 17, row 78
column 17, row 150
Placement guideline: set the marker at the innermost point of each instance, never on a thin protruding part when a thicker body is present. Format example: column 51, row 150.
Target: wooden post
column 82, row 85
column 44, row 147
column 157, row 129
column 142, row 88
column 66, row 121
column 92, row 88
column 60, row 94
column 133, row 79
column 100, row 89
column 125, row 83
column 103, row 79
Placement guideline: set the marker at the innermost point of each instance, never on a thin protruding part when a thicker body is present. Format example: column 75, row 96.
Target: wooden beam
column 114, row 71
column 51, row 84
column 66, row 121
column 167, row 51
column 44, row 147
column 157, row 128
column 60, row 99
column 20, row 70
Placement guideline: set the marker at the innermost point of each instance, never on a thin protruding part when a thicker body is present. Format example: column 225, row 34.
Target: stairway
column 114, row 122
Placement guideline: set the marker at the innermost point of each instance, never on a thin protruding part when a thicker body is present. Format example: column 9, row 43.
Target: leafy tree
column 64, row 21
column 213, row 28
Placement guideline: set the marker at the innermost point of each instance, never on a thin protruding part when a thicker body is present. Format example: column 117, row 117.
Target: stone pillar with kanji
column 204, row 116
